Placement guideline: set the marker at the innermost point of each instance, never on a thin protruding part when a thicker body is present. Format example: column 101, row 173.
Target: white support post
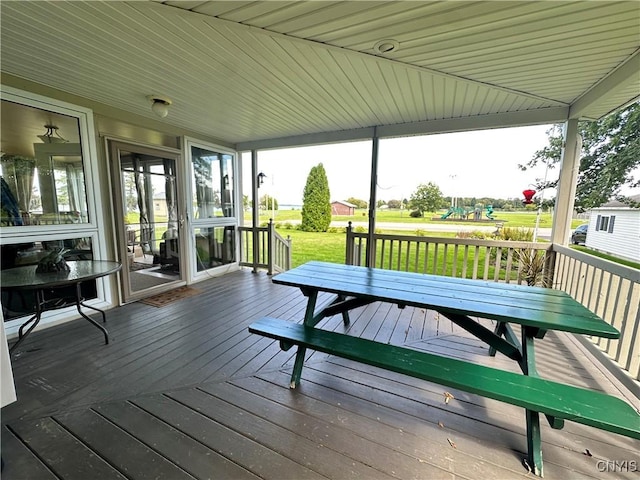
column 371, row 245
column 255, row 213
column 567, row 183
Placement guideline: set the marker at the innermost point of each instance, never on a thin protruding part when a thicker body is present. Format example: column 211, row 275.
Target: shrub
column 517, row 234
column 416, row 214
column 477, row 234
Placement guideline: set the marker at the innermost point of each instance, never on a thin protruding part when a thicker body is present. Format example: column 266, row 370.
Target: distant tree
column 395, row 204
column 265, row 202
column 610, row 152
column 357, row 202
column 426, row 198
column 380, row 203
column 316, row 206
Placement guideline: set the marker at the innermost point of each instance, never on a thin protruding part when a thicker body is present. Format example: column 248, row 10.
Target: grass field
column 512, row 219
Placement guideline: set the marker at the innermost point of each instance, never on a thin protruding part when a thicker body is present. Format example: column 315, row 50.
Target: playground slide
column 447, row 214
column 489, row 213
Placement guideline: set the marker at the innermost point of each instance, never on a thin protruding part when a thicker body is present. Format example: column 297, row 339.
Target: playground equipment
column 489, row 213
column 458, row 211
column 463, row 213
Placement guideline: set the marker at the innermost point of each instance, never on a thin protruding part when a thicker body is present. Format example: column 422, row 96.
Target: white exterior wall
column 624, row 240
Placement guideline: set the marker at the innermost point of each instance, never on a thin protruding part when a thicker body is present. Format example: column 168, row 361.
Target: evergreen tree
column 316, row 206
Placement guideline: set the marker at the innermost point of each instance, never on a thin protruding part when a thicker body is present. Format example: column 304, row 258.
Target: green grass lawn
column 525, row 219
column 627, row 263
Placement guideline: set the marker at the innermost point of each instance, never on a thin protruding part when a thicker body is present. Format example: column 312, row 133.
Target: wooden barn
column 340, row 207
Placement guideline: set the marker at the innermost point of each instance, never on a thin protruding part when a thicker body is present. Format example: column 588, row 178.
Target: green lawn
column 511, row 219
column 627, row 263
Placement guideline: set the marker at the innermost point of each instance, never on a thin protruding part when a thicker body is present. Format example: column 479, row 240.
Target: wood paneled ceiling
column 271, row 73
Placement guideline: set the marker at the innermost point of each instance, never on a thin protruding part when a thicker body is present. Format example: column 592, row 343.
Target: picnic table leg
column 312, row 296
column 345, row 314
column 501, row 328
column 297, row 367
column 534, row 439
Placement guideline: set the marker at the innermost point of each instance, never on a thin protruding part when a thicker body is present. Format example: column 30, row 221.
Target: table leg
column 534, row 439
column 297, row 367
column 89, row 319
column 501, row 328
column 35, row 320
column 312, row 297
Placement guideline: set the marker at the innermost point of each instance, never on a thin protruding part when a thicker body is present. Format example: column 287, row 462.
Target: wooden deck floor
column 184, row 391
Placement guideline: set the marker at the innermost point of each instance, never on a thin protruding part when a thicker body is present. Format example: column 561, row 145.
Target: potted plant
column 54, row 262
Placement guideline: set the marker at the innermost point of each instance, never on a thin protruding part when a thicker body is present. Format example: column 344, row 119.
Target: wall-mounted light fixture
column 160, row 105
column 52, row 135
column 261, row 177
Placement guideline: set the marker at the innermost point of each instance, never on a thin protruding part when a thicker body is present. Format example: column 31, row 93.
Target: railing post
column 548, row 271
column 349, row 250
column 288, row 265
column 270, row 243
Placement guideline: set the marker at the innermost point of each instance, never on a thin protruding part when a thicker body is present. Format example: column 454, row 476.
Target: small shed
column 340, row 207
column 614, row 228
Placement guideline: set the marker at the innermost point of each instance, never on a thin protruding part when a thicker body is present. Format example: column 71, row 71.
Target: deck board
column 184, row 391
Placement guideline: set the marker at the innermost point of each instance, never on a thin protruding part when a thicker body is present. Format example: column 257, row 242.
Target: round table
column 26, row 278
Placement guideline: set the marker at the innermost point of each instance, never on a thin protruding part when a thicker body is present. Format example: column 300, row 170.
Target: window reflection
column 41, row 169
column 215, row 246
column 212, row 184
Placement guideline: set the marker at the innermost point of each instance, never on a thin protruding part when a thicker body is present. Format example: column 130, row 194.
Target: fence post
column 349, row 249
column 270, row 243
column 549, row 268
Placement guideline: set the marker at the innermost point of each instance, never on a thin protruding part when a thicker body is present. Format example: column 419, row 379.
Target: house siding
column 615, row 231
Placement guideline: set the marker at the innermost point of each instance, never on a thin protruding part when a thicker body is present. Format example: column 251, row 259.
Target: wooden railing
column 265, row 248
column 606, row 288
column 511, row 262
column 610, row 290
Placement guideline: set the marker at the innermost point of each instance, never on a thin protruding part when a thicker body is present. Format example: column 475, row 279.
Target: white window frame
column 92, row 229
column 192, row 224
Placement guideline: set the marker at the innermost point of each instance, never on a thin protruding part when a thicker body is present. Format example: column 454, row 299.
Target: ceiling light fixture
column 52, row 135
column 160, row 105
column 384, row 47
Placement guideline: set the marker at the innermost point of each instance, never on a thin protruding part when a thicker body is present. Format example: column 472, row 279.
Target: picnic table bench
column 536, row 310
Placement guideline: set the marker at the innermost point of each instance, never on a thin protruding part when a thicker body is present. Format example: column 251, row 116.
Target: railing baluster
column 476, row 258
column 507, row 274
column 445, row 259
column 487, row 260
column 435, row 258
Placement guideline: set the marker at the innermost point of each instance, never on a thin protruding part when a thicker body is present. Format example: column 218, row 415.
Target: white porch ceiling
column 275, row 73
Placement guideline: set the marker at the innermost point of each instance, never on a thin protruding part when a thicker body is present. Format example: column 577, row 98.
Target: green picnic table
column 536, row 310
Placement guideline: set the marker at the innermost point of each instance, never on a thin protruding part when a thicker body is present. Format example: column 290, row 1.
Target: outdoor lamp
column 528, row 195
column 261, row 177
